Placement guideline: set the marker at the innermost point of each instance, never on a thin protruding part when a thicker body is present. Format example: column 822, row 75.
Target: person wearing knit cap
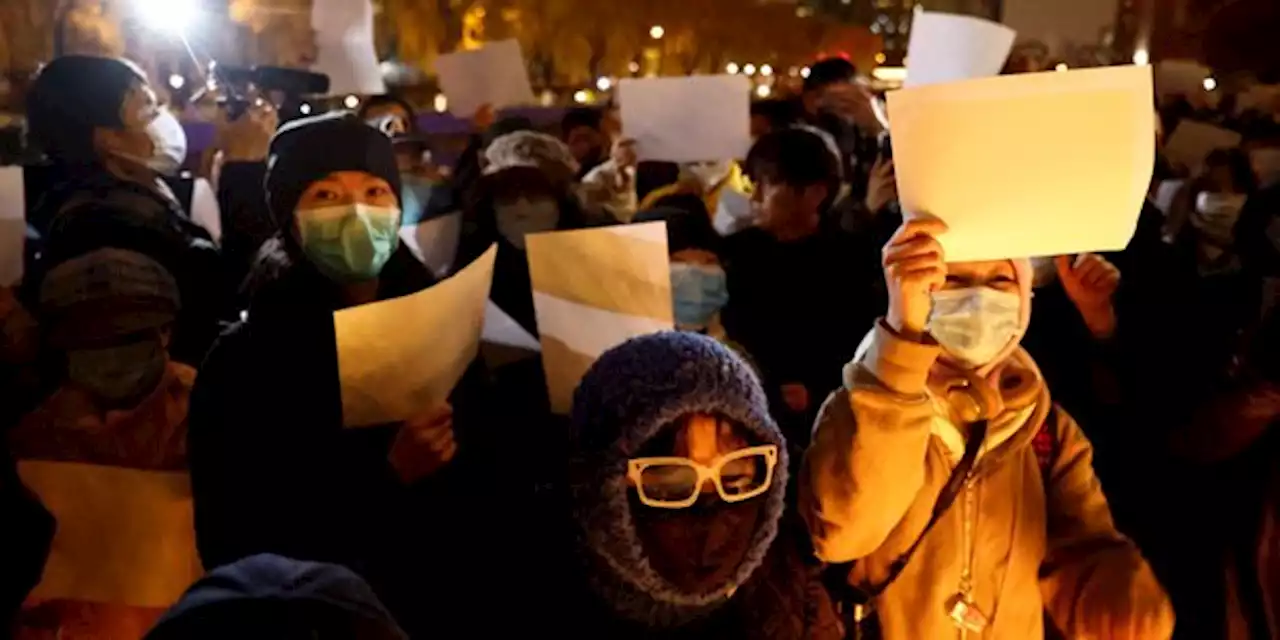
column 269, row 596
column 273, row 468
column 938, row 383
column 676, row 487
column 110, row 147
column 123, row 404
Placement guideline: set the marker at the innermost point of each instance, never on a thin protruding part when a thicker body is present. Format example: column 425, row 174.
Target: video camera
column 285, row 88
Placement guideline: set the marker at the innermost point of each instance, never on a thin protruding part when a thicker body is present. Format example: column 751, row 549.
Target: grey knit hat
column 106, row 293
column 627, row 397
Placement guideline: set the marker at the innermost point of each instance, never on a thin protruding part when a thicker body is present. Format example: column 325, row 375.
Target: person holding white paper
column 944, row 420
column 273, row 467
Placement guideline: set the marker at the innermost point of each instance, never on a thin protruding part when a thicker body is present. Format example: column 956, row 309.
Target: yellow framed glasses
column 676, row 483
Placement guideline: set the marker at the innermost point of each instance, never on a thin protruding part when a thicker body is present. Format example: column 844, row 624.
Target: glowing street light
column 804, row 73
column 1210, row 83
column 731, row 68
column 880, row 58
column 1141, row 57
column 656, row 32
column 351, row 102
column 766, row 70
column 580, row 96
column 603, row 83
column 633, row 67
column 1062, row 66
column 176, row 81
column 763, row 91
column 749, row 69
column 440, row 103
column 304, row 109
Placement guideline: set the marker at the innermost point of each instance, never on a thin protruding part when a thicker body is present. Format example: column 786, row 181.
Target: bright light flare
column 177, row 81
column 764, row 91
column 440, row 103
column 804, row 73
column 1141, row 57
column 304, row 109
column 749, row 69
column 1210, row 83
column 351, row 102
column 656, row 32
column 580, row 96
column 167, row 15
column 732, row 68
column 604, row 83
column 766, row 70
column 1062, row 66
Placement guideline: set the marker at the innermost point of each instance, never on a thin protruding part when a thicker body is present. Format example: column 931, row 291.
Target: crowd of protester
column 844, row 422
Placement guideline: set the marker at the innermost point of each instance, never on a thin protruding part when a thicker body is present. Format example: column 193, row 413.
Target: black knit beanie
column 72, row 96
column 688, row 226
column 309, row 149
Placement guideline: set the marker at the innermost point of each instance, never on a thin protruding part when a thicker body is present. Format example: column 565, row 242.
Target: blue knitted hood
column 625, row 400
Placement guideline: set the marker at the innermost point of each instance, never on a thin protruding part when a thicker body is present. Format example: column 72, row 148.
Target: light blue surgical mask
column 974, row 325
column 350, row 242
column 417, row 197
column 698, row 293
column 120, row 374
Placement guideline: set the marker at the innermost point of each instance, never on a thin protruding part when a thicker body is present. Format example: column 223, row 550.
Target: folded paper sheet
column 494, row 74
column 397, row 358
column 948, row 48
column 593, row 290
column 344, row 46
column 1027, row 165
column 692, row 119
column 13, row 225
column 124, row 536
column 1192, row 142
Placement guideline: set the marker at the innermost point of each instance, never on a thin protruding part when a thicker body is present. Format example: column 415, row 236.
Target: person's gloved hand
column 914, row 267
column 1091, row 282
column 248, row 138
column 882, row 188
column 424, row 445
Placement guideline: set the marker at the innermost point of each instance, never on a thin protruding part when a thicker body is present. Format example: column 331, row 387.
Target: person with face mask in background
column 273, row 469
column 431, row 221
column 109, row 144
column 781, row 308
column 939, row 384
column 123, row 403
column 723, row 186
column 675, row 525
column 580, row 130
column 699, row 287
column 527, row 188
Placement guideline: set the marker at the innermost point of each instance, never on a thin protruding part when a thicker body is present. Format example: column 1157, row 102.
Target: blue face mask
column 420, row 198
column 698, row 293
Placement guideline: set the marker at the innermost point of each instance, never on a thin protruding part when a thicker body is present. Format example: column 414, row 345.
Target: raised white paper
column 494, row 75
column 1192, row 142
column 946, row 48
column 204, row 209
column 400, row 357
column 1027, row 165
column 344, row 46
column 13, row 225
column 690, row 119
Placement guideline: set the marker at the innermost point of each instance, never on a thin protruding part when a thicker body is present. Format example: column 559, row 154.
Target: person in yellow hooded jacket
column 941, row 382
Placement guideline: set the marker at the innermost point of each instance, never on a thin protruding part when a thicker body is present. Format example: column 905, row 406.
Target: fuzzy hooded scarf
column 626, row 399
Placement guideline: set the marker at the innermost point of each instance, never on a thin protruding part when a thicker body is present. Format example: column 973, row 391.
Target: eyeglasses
column 674, row 483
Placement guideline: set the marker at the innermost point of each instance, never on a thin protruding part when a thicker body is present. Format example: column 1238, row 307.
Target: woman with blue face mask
column 943, row 419
column 698, row 285
column 273, row 468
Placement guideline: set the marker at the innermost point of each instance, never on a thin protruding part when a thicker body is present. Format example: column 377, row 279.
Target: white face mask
column 975, row 324
column 733, row 213
column 522, row 217
column 170, row 144
column 1216, row 215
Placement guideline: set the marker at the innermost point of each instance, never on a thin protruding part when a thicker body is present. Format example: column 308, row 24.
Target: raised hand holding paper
column 1027, row 165
column 693, row 119
column 595, row 289
column 947, row 48
column 493, row 75
column 13, row 225
column 344, row 46
column 398, row 357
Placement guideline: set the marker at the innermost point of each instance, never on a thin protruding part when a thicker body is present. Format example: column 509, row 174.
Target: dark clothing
column 273, row 469
column 246, row 220
column 90, row 209
column 800, row 309
column 270, row 596
column 29, row 531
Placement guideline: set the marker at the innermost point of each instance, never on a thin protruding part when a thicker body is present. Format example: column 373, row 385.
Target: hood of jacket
column 628, row 396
